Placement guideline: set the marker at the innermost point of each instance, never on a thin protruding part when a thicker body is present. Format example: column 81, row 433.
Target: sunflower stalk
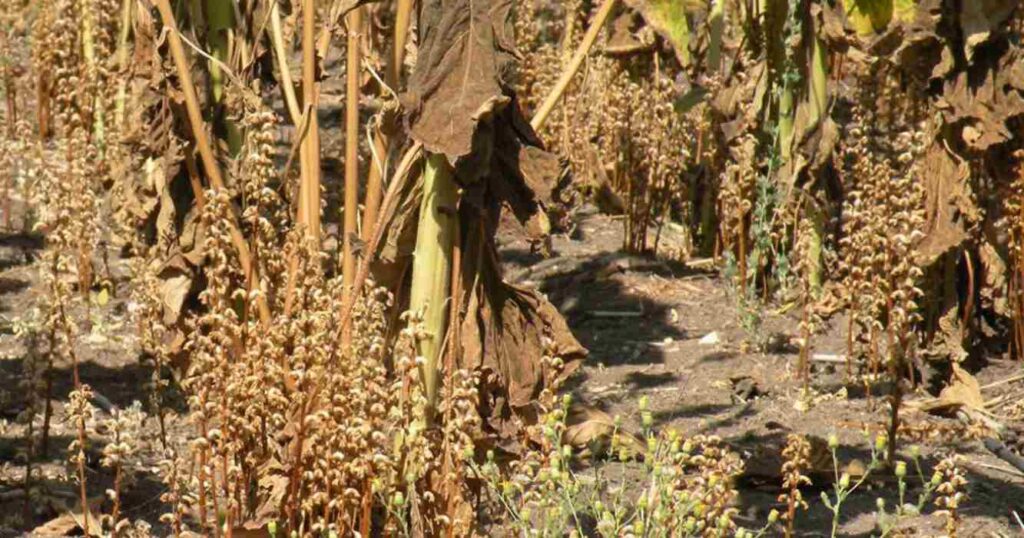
column 431, row 270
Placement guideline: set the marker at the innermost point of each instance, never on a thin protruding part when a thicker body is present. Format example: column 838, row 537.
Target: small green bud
column 844, row 481
column 507, row 489
column 915, row 451
column 398, row 499
column 566, row 400
column 773, row 516
column 901, row 469
column 687, row 447
column 936, row 479
column 644, row 401
column 647, row 419
column 566, row 452
column 467, row 453
column 272, row 528
column 880, row 503
column 833, row 441
column 618, row 421
column 490, row 455
column 638, row 528
column 652, row 445
column 881, row 441
column 525, row 514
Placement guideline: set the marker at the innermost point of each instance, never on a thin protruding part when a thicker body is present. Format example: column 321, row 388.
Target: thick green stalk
column 785, row 122
column 818, row 81
column 432, row 265
column 220, row 19
column 818, row 97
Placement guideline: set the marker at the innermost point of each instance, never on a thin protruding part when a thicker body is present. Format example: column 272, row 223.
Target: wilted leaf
column 176, row 277
column 979, row 18
column 994, row 285
column 72, row 523
column 963, row 391
column 463, row 62
column 948, row 204
column 587, row 427
column 983, row 100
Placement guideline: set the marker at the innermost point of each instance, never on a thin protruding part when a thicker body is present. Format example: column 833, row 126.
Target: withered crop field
column 523, row 268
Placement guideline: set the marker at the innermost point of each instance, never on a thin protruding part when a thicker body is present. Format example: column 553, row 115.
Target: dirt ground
column 654, row 327
column 643, row 321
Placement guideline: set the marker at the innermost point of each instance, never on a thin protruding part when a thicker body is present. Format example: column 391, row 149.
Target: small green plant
column 889, row 523
column 842, row 487
column 685, row 486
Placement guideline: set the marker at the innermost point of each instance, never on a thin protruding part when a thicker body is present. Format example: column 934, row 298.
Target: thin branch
column 281, row 53
column 570, row 71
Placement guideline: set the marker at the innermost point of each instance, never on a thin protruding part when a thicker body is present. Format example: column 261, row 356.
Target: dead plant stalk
column 205, row 150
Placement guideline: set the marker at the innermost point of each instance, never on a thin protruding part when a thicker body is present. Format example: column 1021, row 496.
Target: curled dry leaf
column 963, row 392
column 588, row 427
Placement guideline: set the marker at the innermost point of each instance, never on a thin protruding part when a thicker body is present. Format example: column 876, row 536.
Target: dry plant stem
column 123, row 50
column 30, row 457
column 43, row 106
column 574, row 65
column 10, row 95
column 348, row 263
column 388, row 206
column 403, row 14
column 281, row 53
column 203, row 144
column 84, row 499
column 374, row 185
column 310, row 164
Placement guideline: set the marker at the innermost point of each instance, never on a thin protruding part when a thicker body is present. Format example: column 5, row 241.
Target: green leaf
column 872, row 16
column 668, row 19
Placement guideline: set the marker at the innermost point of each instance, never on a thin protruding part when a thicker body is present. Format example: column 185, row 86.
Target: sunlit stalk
column 352, row 70
column 309, row 192
column 432, row 264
